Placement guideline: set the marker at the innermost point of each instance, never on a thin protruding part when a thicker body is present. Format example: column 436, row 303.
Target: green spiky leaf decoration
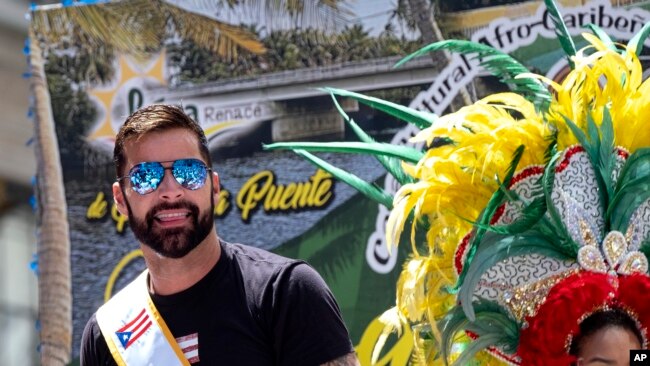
column 392, row 165
column 498, row 63
column 636, row 43
column 418, row 118
column 375, row 148
column 369, row 190
column 561, row 31
column 604, row 37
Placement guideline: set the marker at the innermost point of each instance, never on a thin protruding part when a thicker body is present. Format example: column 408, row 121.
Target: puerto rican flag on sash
column 134, row 329
column 137, row 335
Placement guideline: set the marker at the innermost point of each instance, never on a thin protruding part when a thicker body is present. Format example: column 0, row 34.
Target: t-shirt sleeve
column 308, row 328
column 94, row 350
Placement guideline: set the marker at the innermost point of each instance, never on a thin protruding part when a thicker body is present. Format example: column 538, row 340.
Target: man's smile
column 167, row 218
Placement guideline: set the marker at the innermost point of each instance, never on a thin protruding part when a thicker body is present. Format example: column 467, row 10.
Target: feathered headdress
column 532, row 201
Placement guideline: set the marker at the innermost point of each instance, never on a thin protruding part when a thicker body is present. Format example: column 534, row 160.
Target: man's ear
column 120, row 200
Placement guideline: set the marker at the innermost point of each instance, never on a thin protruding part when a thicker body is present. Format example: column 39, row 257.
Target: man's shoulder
column 265, row 268
column 246, row 253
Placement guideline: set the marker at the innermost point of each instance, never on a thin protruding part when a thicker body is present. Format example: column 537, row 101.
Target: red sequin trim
column 460, row 252
column 567, row 157
column 526, row 173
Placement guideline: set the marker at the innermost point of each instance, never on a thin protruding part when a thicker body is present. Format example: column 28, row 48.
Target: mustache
column 194, row 209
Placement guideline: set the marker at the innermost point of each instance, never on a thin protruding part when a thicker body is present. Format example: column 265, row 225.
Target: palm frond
column 418, row 118
column 219, row 37
column 136, row 27
column 375, row 148
column 369, row 190
column 561, row 31
column 497, row 63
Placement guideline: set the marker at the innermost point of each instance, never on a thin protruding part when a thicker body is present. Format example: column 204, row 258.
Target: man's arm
column 94, row 350
column 347, row 360
column 307, row 322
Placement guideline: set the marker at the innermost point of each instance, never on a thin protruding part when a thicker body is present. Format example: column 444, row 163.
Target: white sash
column 135, row 332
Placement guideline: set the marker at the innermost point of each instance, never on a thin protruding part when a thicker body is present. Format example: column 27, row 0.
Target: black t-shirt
column 252, row 308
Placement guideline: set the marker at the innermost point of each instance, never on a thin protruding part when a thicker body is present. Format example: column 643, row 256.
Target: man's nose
column 169, row 188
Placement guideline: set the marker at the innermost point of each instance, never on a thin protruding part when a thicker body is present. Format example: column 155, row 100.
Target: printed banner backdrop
column 277, row 200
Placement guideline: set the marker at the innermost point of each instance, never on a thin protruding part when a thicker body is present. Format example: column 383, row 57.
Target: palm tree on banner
column 420, row 14
column 104, row 29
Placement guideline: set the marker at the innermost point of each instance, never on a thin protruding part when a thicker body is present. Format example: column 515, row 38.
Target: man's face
column 171, row 220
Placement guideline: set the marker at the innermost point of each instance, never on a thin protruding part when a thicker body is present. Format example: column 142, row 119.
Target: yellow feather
column 454, row 182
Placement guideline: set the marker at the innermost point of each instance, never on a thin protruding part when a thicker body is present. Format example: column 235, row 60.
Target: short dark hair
column 602, row 319
column 156, row 118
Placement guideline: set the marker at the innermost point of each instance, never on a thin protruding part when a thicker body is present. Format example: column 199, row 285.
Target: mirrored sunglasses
column 146, row 177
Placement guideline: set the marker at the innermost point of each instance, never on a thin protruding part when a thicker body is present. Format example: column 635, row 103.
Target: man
column 202, row 300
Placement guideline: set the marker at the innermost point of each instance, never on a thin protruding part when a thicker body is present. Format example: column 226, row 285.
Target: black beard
column 175, row 242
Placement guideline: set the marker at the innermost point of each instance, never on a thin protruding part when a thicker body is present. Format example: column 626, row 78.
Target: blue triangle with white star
column 124, row 337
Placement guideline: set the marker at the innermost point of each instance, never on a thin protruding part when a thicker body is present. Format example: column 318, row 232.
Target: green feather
column 529, row 216
column 495, row 248
column 369, row 190
column 604, row 37
column 453, row 322
column 548, row 182
column 561, row 31
column 495, row 201
column 627, row 204
column 418, row 118
column 497, row 63
column 607, row 155
column 493, row 324
column 639, row 39
column 392, row 165
column 376, row 148
column 551, row 225
column 476, row 346
column 632, row 186
column 594, row 138
column 636, row 166
column 592, row 145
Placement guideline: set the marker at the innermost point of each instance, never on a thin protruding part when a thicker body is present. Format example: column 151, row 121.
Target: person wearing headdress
column 536, row 208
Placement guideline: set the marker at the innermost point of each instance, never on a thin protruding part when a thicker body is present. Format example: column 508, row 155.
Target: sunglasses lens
column 190, row 173
column 145, row 177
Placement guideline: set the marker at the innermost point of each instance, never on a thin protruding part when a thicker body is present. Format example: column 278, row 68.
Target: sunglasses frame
column 171, row 168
